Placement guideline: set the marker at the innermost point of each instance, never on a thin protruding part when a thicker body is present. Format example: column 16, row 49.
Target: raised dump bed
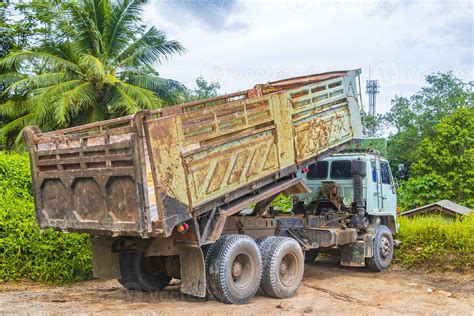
column 144, row 174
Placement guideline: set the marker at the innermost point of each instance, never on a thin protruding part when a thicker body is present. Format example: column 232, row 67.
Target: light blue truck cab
column 357, row 183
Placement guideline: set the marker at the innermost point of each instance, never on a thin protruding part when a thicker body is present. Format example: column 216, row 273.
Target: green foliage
column 25, row 24
column 15, row 175
column 414, row 118
column 204, row 90
column 372, row 126
column 418, row 191
column 444, row 167
column 378, row 143
column 401, row 146
column 25, row 250
column 436, row 243
column 101, row 68
column 435, row 140
column 282, row 203
column 442, row 96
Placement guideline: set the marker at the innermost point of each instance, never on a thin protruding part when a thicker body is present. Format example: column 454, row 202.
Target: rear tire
column 383, row 250
column 235, row 270
column 283, row 267
column 212, row 253
column 263, row 244
column 262, row 240
column 142, row 273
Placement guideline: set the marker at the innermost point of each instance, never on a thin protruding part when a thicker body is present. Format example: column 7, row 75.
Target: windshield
column 318, row 171
column 341, row 169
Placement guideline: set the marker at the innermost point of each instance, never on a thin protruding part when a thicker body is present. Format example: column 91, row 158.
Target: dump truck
column 186, row 191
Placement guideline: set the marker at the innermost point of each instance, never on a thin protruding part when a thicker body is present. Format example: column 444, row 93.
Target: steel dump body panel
column 89, row 181
column 144, row 174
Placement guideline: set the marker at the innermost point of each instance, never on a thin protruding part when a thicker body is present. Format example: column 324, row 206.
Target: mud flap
column 105, row 263
column 193, row 270
column 353, row 255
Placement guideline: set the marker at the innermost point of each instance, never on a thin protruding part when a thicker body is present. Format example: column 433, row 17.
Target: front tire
column 383, row 250
column 235, row 270
column 142, row 273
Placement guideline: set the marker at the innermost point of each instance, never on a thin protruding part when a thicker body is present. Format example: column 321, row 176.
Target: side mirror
column 401, row 171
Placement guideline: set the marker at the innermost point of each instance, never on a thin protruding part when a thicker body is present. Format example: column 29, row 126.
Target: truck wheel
column 383, row 249
column 311, row 255
column 263, row 243
column 262, row 240
column 212, row 251
column 235, row 270
column 283, row 269
column 141, row 273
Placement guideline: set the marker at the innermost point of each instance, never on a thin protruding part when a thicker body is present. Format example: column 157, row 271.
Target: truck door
column 388, row 191
column 375, row 175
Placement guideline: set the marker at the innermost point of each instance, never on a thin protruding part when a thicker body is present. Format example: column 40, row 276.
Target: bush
column 435, row 243
column 282, row 203
column 422, row 190
column 25, row 250
column 15, row 174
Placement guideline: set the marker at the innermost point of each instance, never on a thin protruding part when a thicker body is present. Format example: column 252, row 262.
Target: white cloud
column 242, row 43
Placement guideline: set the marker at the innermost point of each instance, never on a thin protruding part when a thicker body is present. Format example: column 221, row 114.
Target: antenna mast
column 373, row 89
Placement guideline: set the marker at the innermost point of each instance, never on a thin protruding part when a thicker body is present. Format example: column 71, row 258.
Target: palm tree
column 102, row 68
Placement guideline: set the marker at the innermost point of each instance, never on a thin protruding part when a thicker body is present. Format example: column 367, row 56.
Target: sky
column 240, row 43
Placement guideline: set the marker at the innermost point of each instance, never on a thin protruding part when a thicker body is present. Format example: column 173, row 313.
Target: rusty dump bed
column 144, row 174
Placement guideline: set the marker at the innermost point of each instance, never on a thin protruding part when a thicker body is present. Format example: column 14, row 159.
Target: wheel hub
column 384, row 247
column 236, row 269
column 283, row 267
column 288, row 269
column 242, row 271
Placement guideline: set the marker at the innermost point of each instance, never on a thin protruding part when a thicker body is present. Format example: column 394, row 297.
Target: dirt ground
column 327, row 289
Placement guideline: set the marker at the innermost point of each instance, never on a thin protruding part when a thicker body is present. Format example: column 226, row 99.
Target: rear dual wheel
column 283, row 267
column 234, row 269
column 236, row 266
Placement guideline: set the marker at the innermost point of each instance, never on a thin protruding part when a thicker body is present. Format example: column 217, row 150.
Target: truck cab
column 359, row 186
column 332, row 186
